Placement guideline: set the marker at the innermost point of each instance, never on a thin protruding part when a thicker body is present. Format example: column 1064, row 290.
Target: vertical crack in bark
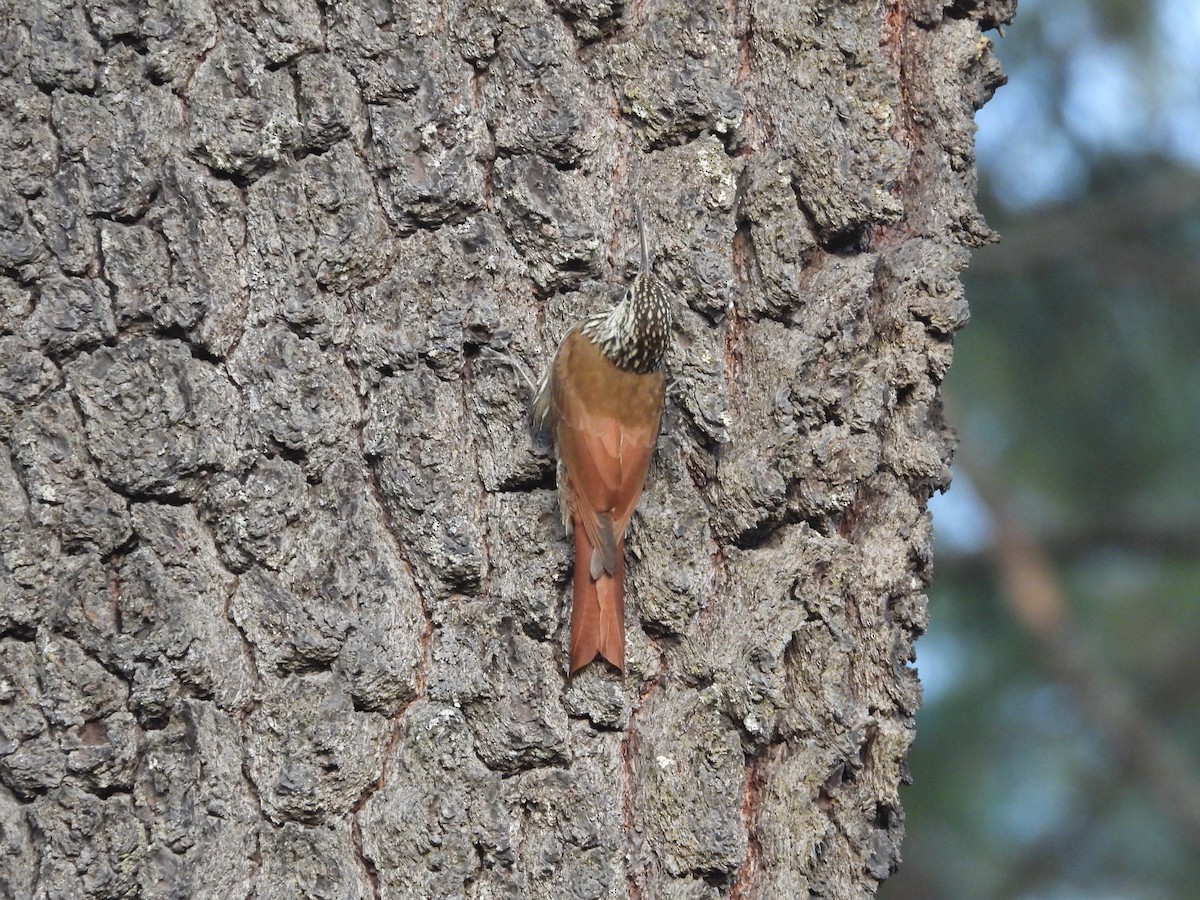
column 397, row 718
column 895, row 21
column 741, row 15
column 484, row 494
column 744, row 884
column 255, row 701
column 184, row 90
column 633, row 858
column 398, row 544
column 364, row 861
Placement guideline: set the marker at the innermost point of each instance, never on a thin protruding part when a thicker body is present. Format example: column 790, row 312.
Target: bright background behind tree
column 1058, row 751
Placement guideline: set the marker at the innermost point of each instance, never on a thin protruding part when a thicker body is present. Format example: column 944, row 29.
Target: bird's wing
column 595, row 480
column 606, row 426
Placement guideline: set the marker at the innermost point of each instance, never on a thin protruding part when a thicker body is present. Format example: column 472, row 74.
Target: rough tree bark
column 284, row 589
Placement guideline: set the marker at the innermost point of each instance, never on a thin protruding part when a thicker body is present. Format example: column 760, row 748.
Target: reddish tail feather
column 598, row 609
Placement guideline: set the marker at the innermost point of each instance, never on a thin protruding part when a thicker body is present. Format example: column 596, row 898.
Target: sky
column 1123, row 94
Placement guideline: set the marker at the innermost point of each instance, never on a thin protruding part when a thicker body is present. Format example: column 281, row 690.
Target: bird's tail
column 598, row 609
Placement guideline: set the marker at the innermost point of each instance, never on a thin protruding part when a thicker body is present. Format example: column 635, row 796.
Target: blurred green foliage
column 1076, row 391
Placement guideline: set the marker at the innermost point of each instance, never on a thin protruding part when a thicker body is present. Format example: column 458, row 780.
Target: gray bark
column 284, row 589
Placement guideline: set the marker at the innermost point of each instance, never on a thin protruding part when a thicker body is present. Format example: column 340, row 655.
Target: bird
column 601, row 398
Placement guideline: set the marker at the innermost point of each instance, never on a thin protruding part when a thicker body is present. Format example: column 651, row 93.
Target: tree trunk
column 284, row 591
